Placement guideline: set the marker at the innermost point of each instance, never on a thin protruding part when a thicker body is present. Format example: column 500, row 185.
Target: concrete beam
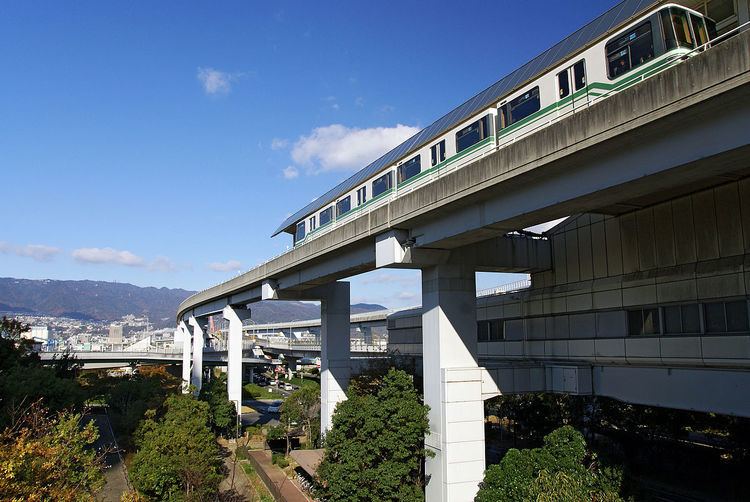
column 508, row 253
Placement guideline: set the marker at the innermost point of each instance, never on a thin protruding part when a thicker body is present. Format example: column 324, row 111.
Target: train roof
column 592, row 31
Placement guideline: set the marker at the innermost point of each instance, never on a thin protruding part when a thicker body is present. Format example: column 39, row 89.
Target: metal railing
column 505, row 288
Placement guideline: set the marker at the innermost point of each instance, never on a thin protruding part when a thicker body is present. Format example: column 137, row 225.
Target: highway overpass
column 115, row 359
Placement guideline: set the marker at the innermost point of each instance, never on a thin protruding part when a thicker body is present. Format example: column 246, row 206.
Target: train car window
column 409, row 169
column 473, row 133
column 361, row 196
column 343, row 206
column 579, row 75
column 325, row 216
column 382, row 184
column 630, row 50
column 437, row 153
column 563, row 83
column 521, row 107
column 666, row 24
column 311, row 223
column 682, row 28
column 699, row 29
column 300, row 233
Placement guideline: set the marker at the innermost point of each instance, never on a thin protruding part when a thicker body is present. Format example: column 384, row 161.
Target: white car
column 288, row 386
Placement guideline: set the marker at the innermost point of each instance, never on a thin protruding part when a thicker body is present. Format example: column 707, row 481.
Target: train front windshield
column 685, row 29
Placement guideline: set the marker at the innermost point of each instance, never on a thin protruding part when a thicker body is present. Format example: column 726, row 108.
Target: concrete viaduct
column 681, row 132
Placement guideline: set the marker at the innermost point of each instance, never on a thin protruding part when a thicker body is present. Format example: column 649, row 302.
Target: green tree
column 302, row 407
column 15, row 350
column 375, row 448
column 178, row 457
column 222, row 411
column 46, row 457
column 24, row 380
column 562, row 470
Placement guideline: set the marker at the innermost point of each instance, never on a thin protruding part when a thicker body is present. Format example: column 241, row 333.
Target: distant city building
column 115, row 334
column 38, row 334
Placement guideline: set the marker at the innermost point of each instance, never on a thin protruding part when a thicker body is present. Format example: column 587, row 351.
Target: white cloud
column 108, row 256
column 279, row 143
column 290, row 172
column 162, row 264
column 331, row 100
column 215, row 81
column 227, row 266
column 340, row 148
column 359, row 102
column 407, row 295
column 37, row 252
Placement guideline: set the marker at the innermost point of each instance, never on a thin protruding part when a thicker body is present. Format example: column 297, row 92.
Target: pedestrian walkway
column 115, row 475
column 281, row 487
column 236, row 482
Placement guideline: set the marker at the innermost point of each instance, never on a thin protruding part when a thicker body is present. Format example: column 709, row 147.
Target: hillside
column 109, row 301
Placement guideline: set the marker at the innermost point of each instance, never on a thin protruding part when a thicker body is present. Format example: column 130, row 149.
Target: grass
column 255, row 391
column 305, row 382
column 261, row 491
column 248, row 468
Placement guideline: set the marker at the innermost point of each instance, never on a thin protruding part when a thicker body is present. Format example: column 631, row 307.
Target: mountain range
column 110, row 301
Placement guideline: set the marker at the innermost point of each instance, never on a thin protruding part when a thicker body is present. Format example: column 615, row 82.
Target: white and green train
column 624, row 46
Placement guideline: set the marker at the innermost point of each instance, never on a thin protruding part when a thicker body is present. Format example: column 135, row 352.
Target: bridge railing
column 505, row 288
column 356, row 345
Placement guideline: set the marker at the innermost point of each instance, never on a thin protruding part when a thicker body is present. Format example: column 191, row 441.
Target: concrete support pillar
column 186, row 345
column 198, row 342
column 235, row 316
column 335, row 350
column 452, row 383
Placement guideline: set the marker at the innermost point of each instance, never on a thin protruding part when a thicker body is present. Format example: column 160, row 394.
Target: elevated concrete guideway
column 210, row 358
column 681, row 131
column 674, row 133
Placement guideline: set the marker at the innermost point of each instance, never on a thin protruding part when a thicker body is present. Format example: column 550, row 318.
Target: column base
column 457, row 468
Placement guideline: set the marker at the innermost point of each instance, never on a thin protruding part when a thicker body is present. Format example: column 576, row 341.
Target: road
column 260, row 414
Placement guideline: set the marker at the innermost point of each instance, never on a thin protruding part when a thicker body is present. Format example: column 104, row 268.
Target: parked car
column 288, row 386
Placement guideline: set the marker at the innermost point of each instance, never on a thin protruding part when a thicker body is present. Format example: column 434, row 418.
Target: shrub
column 252, row 391
column 280, row 460
column 241, row 453
column 563, row 469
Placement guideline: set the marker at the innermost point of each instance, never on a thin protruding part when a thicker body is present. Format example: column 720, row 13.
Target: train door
column 571, row 84
column 580, row 85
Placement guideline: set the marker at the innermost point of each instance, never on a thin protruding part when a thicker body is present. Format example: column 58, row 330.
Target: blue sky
column 161, row 143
